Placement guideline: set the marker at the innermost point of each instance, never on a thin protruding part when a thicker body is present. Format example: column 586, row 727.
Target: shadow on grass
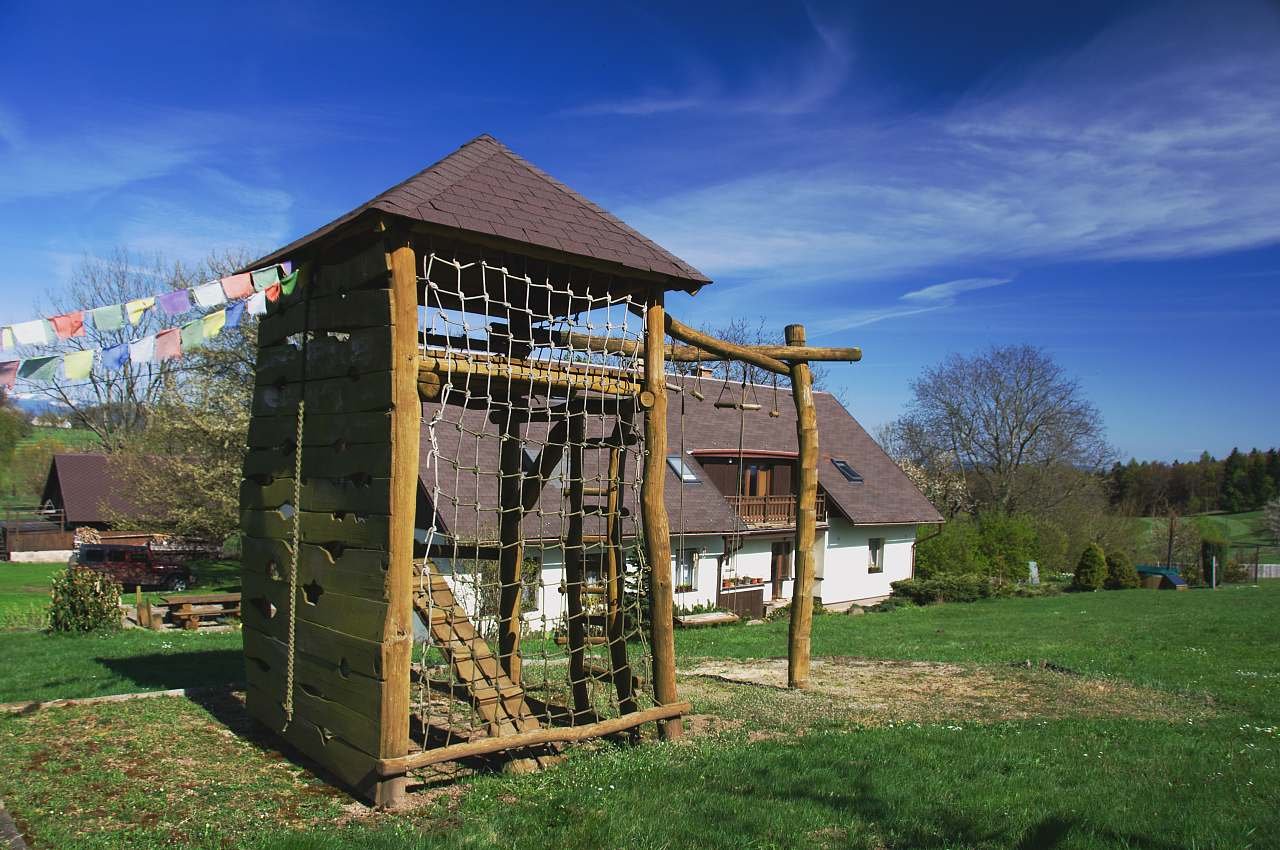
column 165, row 671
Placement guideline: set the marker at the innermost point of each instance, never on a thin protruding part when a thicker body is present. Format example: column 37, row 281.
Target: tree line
column 1238, row 482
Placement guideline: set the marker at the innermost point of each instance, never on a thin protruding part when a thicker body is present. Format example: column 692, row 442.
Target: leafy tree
column 1012, row 418
column 1121, row 573
column 1091, row 570
column 955, row 550
column 31, row 465
column 1271, row 518
column 13, row 427
column 1007, row 543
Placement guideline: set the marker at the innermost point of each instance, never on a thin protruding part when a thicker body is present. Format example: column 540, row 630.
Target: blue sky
column 1102, row 180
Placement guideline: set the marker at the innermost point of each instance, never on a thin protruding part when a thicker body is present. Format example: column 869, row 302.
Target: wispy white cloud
column 797, row 83
column 945, row 293
column 1156, row 141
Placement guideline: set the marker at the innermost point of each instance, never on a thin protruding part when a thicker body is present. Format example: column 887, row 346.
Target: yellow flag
column 6, row 338
column 214, row 322
column 136, row 308
column 77, row 365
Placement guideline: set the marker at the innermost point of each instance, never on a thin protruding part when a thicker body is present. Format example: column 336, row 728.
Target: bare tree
column 114, row 404
column 1013, row 421
column 742, row 331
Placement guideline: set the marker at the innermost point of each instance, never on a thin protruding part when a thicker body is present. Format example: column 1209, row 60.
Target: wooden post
column 657, row 526
column 806, row 516
column 406, row 425
column 615, row 625
column 511, row 559
column 574, row 574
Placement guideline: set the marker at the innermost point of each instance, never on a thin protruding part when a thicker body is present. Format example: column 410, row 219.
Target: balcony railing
column 772, row 510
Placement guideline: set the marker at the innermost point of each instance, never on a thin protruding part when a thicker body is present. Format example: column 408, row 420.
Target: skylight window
column 849, row 473
column 679, row 467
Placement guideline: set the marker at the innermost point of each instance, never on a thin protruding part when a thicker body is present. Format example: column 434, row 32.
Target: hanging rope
column 293, row 563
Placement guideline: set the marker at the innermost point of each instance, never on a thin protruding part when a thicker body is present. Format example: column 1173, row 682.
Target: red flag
column 68, row 324
column 9, row 373
column 272, row 292
column 168, row 344
column 237, row 286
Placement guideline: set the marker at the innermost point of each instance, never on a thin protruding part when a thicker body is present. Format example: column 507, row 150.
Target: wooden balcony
column 772, row 510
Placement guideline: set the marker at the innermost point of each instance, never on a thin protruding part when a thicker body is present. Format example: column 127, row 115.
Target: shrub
column 953, row 551
column 944, row 589
column 1007, row 543
column 84, row 601
column 1091, row 570
column 1120, row 572
column 890, row 603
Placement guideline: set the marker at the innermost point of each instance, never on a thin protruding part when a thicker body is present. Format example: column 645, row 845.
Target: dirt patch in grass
column 860, row 691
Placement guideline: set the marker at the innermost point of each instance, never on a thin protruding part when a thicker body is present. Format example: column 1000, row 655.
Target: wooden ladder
column 500, row 701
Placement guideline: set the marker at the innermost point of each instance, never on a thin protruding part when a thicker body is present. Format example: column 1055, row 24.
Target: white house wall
column 846, row 575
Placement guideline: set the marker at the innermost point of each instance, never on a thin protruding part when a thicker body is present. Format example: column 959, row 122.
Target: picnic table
column 188, row 611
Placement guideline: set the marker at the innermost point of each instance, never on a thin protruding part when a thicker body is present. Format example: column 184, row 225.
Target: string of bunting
column 248, row 292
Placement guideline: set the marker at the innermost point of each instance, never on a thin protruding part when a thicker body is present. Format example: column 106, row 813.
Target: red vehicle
column 134, row 565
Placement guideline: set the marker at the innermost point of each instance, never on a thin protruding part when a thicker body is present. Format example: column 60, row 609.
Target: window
column 92, row 556
column 686, row 571
column 849, row 473
column 875, row 548
column 682, row 469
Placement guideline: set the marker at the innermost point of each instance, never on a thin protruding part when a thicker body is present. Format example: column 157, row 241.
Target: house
column 83, row 489
column 732, row 522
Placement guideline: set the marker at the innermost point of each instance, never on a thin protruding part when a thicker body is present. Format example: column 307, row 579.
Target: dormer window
column 849, row 473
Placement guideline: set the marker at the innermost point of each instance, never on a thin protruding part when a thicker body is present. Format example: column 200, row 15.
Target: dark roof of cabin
column 485, row 188
column 469, row 500
column 84, row 486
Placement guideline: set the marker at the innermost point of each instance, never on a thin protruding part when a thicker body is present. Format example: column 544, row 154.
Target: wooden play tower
column 468, row 388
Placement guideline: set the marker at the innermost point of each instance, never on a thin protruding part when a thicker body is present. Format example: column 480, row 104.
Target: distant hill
column 36, row 405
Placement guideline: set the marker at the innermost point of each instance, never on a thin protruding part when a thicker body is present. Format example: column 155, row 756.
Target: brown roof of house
column 89, row 492
column 485, row 188
column 465, row 463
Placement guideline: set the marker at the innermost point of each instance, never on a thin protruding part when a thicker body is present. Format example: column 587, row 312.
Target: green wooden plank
column 366, row 268
column 361, row 393
column 320, row 527
column 320, row 429
column 319, row 494
column 364, row 657
column 356, row 572
column 369, row 308
column 329, row 354
column 320, row 605
column 334, row 463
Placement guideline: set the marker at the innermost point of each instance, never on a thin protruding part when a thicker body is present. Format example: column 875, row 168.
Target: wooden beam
column 511, row 559
column 574, row 575
column 728, row 350
column 406, row 416
column 524, row 740
column 524, row 375
column 693, row 353
column 615, row 622
column 806, row 516
column 657, row 526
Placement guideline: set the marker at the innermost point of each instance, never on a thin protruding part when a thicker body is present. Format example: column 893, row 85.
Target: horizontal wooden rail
column 523, row 740
column 434, row 369
column 698, row 354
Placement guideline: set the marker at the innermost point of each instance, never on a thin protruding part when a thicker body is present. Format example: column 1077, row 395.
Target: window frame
column 685, row 559
column 845, row 469
column 875, row 555
column 682, row 469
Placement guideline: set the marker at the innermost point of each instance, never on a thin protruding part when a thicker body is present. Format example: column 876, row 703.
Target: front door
column 780, row 569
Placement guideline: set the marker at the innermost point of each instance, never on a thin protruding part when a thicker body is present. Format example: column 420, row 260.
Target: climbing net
column 531, row 595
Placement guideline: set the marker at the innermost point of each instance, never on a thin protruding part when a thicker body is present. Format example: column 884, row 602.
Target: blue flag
column 235, row 312
column 115, row 357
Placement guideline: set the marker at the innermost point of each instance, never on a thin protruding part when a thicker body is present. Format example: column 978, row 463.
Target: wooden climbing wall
column 345, row 345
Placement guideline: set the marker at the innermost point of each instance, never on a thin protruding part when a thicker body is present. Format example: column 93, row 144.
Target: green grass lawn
column 1245, row 531
column 1156, row 729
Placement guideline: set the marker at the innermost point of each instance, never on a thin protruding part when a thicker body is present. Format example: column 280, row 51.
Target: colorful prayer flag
column 9, row 373
column 257, row 304
column 143, row 350
column 32, row 333
column 108, row 318
column 235, row 312
column 193, row 335
column 78, row 364
column 210, row 295
column 214, row 323
column 286, row 266
column 238, row 286
column 175, row 303
column 115, row 357
column 6, row 338
column 263, row 278
column 168, row 344
column 39, row 368
column 137, row 307
column 288, row 283
column 68, row 324
column 272, row 292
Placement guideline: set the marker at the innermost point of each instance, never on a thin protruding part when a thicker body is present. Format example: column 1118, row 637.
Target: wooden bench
column 188, row 612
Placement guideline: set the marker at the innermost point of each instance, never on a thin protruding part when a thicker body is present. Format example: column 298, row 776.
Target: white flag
column 32, row 333
column 258, row 304
column 144, row 350
column 210, row 295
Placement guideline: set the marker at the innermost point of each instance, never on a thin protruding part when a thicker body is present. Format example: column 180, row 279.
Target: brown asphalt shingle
column 90, row 492
column 483, row 187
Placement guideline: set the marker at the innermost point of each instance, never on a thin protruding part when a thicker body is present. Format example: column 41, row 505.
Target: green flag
column 288, row 283
column 263, row 278
column 40, row 368
column 192, row 335
column 108, row 318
